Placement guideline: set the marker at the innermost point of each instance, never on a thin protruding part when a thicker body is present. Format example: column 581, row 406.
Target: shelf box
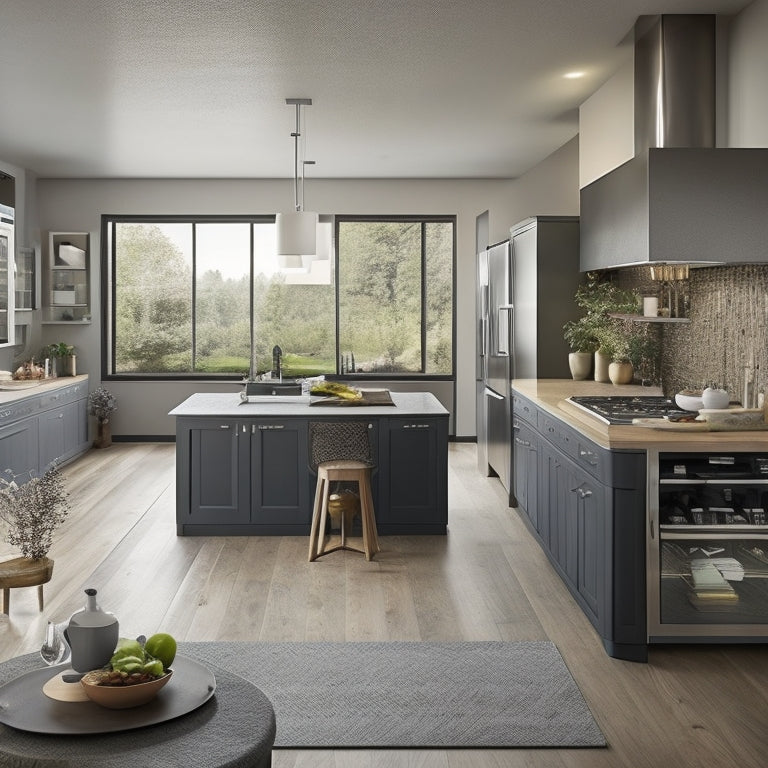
column 68, row 256
column 64, row 297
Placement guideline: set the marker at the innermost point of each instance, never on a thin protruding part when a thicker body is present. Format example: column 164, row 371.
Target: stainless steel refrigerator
column 525, row 294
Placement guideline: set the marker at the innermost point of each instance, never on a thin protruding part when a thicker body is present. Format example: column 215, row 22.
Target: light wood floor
column 487, row 580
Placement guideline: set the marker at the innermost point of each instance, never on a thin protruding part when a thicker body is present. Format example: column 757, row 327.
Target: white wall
column 606, row 126
column 748, row 65
column 77, row 205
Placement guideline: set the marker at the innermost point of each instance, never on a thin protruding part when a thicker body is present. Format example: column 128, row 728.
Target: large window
column 191, row 297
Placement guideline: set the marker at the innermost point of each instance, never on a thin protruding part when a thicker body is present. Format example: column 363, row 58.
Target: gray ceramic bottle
column 92, row 635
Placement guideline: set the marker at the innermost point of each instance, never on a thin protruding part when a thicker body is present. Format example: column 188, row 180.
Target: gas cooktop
column 615, row 409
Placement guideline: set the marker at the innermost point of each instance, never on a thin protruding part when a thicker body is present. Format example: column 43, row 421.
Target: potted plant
column 101, row 404
column 580, row 336
column 600, row 299
column 64, row 352
column 30, row 511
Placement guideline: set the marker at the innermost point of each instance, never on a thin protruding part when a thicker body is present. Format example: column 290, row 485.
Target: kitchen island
column 243, row 468
column 602, row 502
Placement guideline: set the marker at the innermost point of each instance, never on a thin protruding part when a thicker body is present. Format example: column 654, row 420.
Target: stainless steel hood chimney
column 680, row 199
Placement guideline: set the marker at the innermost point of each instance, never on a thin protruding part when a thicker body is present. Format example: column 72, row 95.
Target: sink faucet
column 277, row 360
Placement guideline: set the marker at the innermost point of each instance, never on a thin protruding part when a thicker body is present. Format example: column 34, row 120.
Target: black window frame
column 108, row 292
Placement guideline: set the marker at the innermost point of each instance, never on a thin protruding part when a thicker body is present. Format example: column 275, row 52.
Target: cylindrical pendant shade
column 296, row 233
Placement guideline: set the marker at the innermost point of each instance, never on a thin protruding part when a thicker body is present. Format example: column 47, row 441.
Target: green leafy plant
column 32, row 510
column 596, row 330
column 60, row 349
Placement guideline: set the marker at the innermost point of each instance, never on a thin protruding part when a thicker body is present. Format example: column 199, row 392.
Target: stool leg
column 6, row 600
column 319, row 493
column 370, row 514
column 40, row 597
column 323, row 520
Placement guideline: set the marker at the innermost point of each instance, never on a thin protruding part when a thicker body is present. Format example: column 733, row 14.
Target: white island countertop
column 229, row 404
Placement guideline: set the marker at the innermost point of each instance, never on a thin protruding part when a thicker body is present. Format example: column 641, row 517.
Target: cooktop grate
column 617, row 409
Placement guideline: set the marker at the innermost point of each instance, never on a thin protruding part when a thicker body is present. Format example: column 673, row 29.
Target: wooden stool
column 343, row 471
column 23, row 572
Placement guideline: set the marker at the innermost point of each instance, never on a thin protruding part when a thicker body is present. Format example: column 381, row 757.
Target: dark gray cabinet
column 252, row 476
column 278, row 476
column 49, row 425
column 412, row 476
column 526, row 469
column 218, row 482
column 588, row 513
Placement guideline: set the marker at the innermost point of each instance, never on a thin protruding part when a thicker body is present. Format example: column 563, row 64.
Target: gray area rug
column 403, row 694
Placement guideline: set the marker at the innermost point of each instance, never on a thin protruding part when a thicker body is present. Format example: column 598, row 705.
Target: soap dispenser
column 92, row 635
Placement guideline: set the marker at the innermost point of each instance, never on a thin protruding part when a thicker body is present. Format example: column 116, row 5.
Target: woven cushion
column 335, row 440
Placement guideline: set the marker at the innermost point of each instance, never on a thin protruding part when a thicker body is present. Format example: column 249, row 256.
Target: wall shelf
column 644, row 319
column 68, row 289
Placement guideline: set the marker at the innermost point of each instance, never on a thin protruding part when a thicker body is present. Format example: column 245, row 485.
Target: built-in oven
column 707, row 547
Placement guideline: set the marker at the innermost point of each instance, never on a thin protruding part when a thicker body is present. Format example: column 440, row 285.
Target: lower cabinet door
column 280, row 473
column 412, row 473
column 19, row 448
column 218, row 483
column 61, row 432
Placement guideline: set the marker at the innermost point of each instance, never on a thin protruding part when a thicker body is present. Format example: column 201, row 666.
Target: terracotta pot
column 621, row 373
column 580, row 364
column 103, row 434
column 601, row 366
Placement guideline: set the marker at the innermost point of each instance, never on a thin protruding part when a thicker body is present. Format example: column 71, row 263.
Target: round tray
column 24, row 706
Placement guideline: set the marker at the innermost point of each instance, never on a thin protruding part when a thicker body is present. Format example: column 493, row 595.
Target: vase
column 103, row 433
column 601, row 366
column 621, row 373
column 580, row 364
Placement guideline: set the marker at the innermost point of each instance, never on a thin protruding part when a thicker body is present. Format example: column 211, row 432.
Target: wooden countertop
column 8, row 396
column 550, row 395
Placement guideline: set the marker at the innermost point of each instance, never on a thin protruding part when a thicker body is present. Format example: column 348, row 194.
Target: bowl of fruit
column 134, row 675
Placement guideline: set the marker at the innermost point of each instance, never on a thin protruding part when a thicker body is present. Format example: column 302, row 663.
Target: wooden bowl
column 122, row 696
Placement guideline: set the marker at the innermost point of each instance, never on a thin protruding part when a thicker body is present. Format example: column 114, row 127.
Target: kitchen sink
column 272, row 392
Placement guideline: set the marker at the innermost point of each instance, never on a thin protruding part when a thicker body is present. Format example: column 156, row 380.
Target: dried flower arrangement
column 101, row 403
column 31, row 511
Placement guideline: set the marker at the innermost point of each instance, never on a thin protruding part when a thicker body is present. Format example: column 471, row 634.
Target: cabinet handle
column 526, row 443
column 271, row 426
column 415, row 426
column 589, row 456
column 60, row 416
column 582, row 493
column 224, row 426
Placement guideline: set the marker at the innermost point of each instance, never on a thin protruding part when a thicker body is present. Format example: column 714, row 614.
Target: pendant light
column 296, row 230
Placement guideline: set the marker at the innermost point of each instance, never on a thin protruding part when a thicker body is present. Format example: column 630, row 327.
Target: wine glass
column 55, row 648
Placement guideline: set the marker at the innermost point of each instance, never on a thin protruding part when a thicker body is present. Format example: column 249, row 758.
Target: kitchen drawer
column 21, row 409
column 64, row 395
column 585, row 453
column 524, row 409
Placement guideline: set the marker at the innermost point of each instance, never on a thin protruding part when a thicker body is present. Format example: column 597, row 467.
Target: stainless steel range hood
column 679, row 199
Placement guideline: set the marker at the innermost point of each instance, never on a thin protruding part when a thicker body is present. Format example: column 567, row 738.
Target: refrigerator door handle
column 495, row 395
column 505, row 321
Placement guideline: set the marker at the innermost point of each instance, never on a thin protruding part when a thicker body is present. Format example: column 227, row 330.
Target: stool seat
column 343, row 470
column 24, row 572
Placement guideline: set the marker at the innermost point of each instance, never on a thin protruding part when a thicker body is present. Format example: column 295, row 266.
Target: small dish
column 122, row 696
column 689, row 400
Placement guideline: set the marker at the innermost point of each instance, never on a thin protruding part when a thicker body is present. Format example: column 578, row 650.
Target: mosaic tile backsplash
column 728, row 328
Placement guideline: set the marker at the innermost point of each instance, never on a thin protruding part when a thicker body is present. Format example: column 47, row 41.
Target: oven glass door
column 708, row 553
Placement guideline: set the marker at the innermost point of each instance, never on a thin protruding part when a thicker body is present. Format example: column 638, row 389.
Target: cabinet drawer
column 524, row 409
column 14, row 411
column 585, row 453
column 64, row 395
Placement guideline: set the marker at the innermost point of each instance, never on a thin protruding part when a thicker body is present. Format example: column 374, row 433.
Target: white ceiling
column 401, row 88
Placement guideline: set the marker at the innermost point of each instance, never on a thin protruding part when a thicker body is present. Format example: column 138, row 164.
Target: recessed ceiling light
column 573, row 75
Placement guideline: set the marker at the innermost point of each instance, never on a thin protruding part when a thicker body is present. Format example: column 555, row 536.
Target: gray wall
column 77, row 204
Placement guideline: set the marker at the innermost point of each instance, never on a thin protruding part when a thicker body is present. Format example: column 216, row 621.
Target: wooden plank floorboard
column 690, row 706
